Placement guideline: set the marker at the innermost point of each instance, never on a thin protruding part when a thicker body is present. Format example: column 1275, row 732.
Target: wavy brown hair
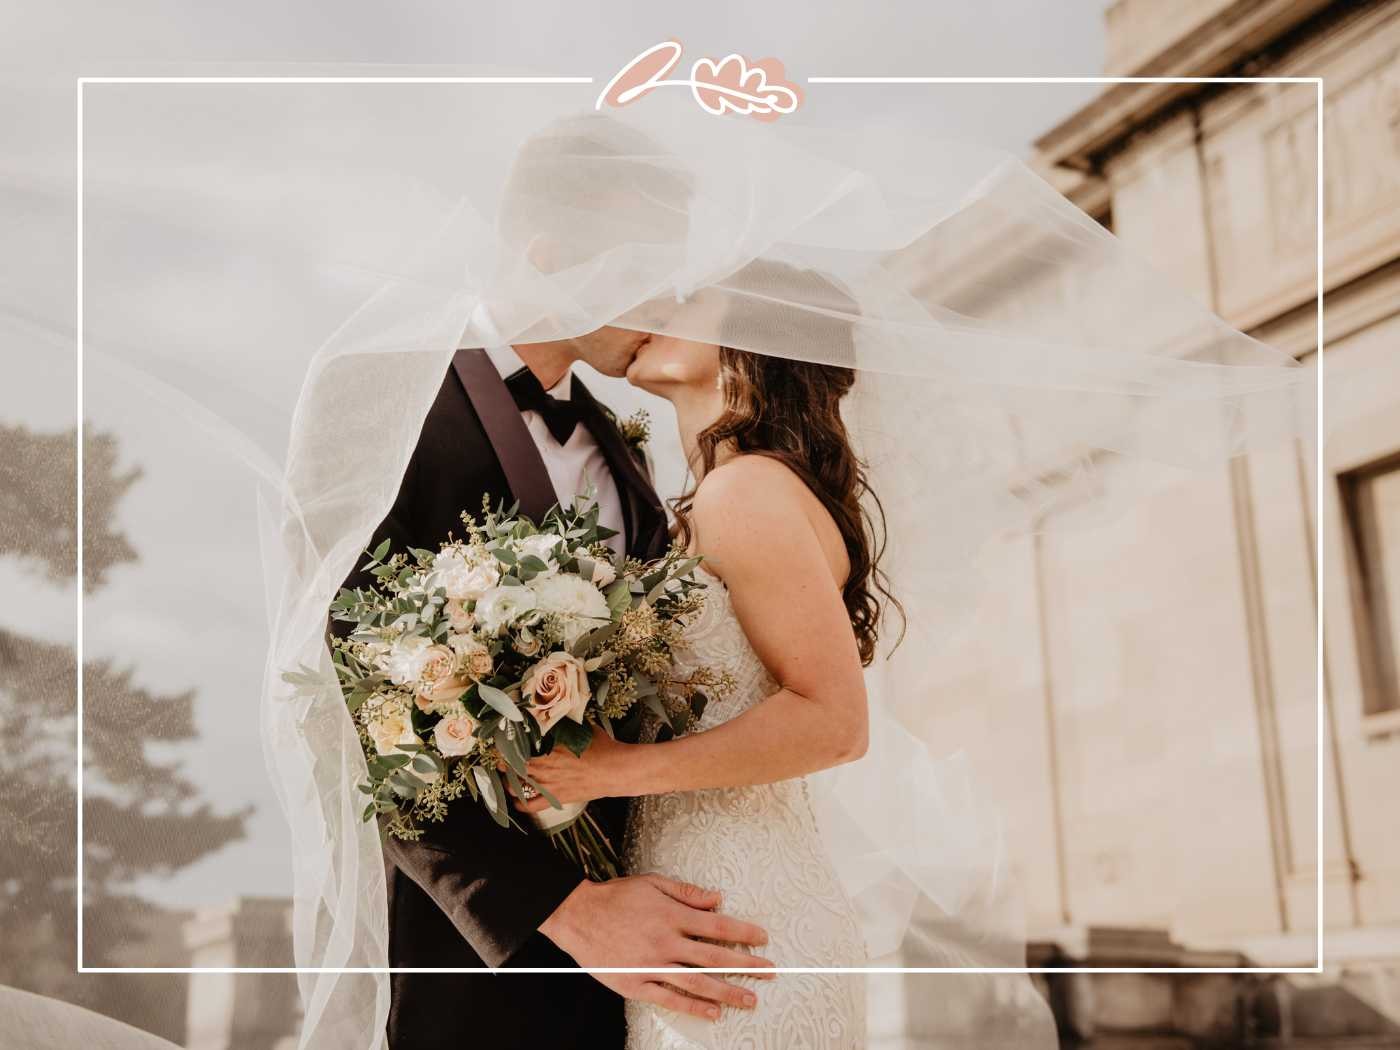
column 790, row 411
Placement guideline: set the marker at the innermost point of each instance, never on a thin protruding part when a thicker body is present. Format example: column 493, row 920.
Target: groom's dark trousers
column 471, row 893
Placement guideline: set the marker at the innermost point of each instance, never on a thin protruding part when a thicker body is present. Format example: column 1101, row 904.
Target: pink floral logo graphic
column 756, row 88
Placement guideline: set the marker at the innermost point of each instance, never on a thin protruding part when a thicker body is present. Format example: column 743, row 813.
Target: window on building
column 1371, row 499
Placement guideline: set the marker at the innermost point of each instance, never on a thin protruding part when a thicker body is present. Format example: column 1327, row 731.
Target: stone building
column 1159, row 721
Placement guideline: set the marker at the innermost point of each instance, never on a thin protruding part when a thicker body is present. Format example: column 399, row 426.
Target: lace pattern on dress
column 761, row 848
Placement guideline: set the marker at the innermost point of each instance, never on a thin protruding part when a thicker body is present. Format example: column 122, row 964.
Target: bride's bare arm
column 751, row 525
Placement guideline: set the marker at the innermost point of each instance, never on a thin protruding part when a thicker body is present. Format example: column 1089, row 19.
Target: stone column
column 242, row 1011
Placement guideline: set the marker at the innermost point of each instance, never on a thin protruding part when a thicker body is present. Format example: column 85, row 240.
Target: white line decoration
column 756, row 88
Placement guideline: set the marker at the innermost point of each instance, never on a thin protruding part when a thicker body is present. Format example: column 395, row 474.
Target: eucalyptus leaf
column 619, row 596
column 686, row 567
column 493, row 794
column 514, row 781
column 595, row 638
column 548, row 795
column 653, row 701
column 508, row 744
column 499, row 701
column 572, row 735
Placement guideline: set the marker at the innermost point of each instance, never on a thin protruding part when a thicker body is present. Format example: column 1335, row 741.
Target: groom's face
column 610, row 350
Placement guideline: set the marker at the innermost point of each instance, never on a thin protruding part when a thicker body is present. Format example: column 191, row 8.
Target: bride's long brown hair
column 790, row 411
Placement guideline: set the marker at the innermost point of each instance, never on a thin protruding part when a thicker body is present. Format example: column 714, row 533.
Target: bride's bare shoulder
column 754, row 512
column 748, row 483
column 750, row 500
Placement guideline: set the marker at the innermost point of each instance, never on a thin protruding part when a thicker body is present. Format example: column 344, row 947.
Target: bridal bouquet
column 518, row 638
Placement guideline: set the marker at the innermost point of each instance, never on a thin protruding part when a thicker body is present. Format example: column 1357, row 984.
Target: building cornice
column 1227, row 43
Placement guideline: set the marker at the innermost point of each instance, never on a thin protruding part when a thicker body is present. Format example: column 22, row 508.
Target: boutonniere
column 636, row 431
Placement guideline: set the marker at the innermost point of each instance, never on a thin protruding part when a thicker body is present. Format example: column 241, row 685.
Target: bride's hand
column 598, row 773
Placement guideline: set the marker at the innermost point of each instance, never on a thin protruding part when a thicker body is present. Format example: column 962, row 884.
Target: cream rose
column 474, row 658
column 457, row 615
column 603, row 573
column 556, row 687
column 439, row 680
column 527, row 643
column 392, row 729
column 453, row 736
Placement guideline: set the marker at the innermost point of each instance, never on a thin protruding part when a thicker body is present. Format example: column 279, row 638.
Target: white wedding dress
column 760, row 847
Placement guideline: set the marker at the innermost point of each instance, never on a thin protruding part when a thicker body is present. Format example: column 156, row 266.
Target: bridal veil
column 1019, row 369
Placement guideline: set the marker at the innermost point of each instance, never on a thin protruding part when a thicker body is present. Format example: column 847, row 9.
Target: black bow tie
column 560, row 416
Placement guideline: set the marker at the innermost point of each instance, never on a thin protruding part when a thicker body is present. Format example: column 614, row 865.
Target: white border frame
column 1320, row 473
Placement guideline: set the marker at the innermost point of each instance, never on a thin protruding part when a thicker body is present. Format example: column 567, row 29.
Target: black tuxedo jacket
column 471, row 893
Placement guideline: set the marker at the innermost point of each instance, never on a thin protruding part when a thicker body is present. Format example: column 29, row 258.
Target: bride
column 793, row 614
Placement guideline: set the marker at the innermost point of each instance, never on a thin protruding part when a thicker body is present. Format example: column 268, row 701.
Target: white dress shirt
column 576, row 462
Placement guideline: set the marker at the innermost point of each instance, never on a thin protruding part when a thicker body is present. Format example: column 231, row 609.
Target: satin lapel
column 642, row 512
column 505, row 428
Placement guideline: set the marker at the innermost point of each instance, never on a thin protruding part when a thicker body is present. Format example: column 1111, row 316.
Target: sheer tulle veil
column 1013, row 357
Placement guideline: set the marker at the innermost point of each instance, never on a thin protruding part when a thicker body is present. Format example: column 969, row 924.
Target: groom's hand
column 649, row 920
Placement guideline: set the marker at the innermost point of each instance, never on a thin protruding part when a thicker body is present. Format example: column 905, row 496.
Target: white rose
column 460, row 578
column 503, row 605
column 577, row 602
column 406, row 659
column 556, row 687
column 544, row 547
column 453, row 736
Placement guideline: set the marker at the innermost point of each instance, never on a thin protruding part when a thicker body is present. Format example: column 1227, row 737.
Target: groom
column 515, row 424
column 512, row 423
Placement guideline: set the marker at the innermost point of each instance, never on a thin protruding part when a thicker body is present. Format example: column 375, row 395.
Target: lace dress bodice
column 760, row 847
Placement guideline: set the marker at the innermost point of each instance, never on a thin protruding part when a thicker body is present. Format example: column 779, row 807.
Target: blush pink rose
column 439, row 680
column 453, row 736
column 557, row 687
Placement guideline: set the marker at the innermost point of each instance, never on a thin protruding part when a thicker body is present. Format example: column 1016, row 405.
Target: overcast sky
column 144, row 619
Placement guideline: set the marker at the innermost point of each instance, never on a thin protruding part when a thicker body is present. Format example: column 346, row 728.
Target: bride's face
column 667, row 366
